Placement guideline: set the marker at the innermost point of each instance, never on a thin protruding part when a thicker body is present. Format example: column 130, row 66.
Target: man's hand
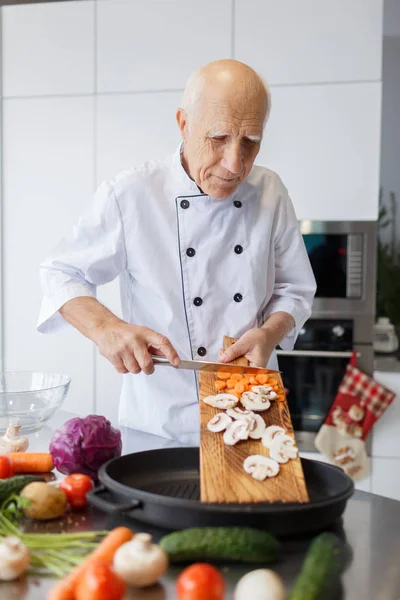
column 255, row 345
column 128, row 347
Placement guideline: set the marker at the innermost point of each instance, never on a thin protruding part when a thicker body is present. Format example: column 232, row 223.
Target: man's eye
column 221, row 138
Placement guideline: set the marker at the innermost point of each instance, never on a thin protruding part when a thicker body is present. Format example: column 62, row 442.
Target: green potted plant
column 388, row 265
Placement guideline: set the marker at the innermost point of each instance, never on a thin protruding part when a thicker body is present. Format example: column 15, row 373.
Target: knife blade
column 202, row 365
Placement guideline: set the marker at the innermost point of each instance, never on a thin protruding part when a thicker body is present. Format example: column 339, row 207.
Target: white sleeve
column 295, row 286
column 93, row 253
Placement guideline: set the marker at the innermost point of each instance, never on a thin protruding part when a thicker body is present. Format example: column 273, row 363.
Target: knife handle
column 229, row 341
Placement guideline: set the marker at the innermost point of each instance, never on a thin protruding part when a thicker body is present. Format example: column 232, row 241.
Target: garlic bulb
column 14, row 558
column 11, row 442
column 140, row 562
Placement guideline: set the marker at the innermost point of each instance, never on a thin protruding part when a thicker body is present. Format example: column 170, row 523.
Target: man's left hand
column 255, row 345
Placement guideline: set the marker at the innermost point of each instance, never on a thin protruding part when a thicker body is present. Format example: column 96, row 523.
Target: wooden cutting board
column 222, row 477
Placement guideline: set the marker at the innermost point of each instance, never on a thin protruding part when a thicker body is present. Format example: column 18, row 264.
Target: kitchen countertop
column 370, row 527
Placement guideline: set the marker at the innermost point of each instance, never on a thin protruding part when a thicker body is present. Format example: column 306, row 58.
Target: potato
column 46, row 501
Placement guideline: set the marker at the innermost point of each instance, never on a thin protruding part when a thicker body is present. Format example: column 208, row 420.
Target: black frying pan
column 162, row 488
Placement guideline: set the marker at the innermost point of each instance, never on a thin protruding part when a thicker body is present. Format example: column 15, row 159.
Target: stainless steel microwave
column 343, row 257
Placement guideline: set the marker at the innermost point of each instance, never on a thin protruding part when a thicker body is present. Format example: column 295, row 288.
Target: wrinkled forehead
column 219, row 117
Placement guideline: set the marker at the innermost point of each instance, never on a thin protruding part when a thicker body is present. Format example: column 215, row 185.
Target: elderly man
column 205, row 245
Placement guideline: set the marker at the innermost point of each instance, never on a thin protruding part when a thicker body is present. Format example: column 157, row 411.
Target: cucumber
column 238, row 544
column 322, row 564
column 15, row 485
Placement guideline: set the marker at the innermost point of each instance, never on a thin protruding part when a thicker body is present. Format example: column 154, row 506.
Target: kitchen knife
column 201, row 365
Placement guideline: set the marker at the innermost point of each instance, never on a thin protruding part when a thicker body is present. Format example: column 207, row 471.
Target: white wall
column 91, row 87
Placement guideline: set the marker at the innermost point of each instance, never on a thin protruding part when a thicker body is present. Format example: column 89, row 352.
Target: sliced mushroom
column 239, row 430
column 255, row 402
column 283, row 448
column 238, row 413
column 218, row 423
column 223, row 401
column 262, row 389
column 272, row 395
column 260, row 467
column 270, row 433
column 257, row 427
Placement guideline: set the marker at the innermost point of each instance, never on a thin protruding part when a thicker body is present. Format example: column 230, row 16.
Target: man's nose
column 232, row 160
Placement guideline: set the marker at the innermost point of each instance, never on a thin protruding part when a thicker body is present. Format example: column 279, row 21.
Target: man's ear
column 182, row 120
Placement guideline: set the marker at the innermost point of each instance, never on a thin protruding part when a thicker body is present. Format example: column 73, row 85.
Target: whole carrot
column 65, row 589
column 31, row 462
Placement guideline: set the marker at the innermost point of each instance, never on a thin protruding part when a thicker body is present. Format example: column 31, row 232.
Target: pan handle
column 94, row 497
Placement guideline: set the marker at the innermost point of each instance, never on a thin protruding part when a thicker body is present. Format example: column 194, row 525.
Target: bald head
column 229, row 79
column 224, row 110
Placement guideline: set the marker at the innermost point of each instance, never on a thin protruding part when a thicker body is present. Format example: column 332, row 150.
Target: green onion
column 51, row 553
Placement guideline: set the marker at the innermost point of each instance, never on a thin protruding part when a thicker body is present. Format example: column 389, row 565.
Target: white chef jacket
column 192, row 267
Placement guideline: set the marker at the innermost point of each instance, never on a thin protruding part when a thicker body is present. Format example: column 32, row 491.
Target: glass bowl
column 29, row 398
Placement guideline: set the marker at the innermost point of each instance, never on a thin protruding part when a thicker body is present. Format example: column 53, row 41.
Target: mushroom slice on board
column 271, row 433
column 218, row 423
column 260, row 467
column 255, row 402
column 264, row 390
column 239, row 430
column 238, row 413
column 257, row 427
column 283, row 448
column 222, row 401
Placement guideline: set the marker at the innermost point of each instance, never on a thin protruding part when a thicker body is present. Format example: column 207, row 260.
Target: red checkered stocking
column 359, row 403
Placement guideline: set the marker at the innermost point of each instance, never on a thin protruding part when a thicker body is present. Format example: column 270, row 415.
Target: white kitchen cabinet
column 155, row 45
column 386, row 477
column 48, row 49
column 324, row 141
column 133, row 128
column 310, row 41
column 386, row 431
column 47, row 177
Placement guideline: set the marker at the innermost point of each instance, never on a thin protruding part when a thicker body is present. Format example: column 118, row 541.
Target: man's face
column 221, row 141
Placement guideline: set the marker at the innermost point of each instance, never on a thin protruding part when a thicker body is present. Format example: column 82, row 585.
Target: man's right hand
column 128, row 347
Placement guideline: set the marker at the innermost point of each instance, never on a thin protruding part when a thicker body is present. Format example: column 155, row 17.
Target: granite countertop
column 389, row 363
column 370, row 527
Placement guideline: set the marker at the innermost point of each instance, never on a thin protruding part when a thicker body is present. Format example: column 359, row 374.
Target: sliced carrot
column 253, row 381
column 262, row 379
column 223, row 375
column 236, row 376
column 31, row 462
column 272, row 381
column 239, row 387
column 220, row 385
column 65, row 589
column 276, row 388
column 231, row 383
column 244, row 380
column 235, row 393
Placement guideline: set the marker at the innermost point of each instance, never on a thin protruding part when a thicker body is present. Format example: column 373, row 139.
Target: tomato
column 99, row 582
column 6, row 468
column 75, row 487
column 200, row 582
